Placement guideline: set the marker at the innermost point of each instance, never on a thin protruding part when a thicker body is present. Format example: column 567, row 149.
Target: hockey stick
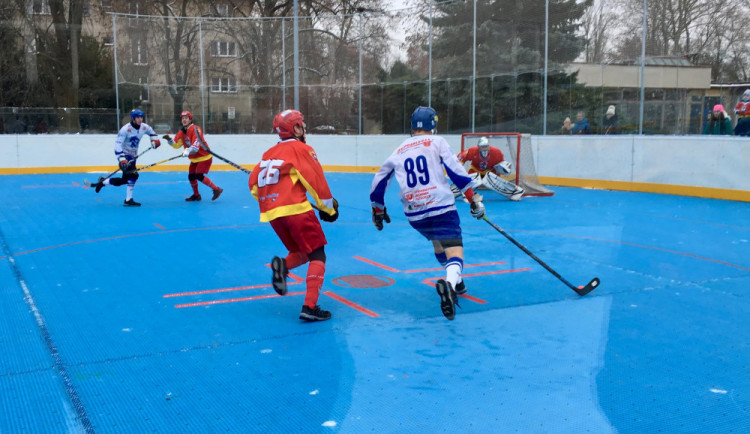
column 579, row 290
column 235, row 165
column 88, row 183
column 158, row 162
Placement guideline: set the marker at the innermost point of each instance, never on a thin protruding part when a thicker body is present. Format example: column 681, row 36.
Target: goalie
column 485, row 164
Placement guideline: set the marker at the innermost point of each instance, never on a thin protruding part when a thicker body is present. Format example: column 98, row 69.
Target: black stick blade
column 588, row 288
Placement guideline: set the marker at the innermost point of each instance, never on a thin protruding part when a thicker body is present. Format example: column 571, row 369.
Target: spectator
column 567, row 126
column 610, row 123
column 19, row 126
column 582, row 125
column 40, row 127
column 742, row 109
column 719, row 122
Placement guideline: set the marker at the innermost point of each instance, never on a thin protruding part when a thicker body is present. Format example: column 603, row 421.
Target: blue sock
column 442, row 258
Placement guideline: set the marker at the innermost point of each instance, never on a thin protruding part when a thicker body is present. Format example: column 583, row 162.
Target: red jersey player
column 286, row 174
column 485, row 165
column 191, row 138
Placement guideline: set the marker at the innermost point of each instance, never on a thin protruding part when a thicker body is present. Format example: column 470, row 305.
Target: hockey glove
column 380, row 215
column 477, row 210
column 327, row 217
column 167, row 138
column 505, row 167
column 124, row 165
column 155, row 143
column 186, row 152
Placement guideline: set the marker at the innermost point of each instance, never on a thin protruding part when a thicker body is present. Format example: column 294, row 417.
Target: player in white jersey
column 126, row 151
column 418, row 165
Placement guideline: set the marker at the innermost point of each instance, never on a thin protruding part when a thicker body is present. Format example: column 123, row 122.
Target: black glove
column 327, row 217
column 167, row 138
column 378, row 216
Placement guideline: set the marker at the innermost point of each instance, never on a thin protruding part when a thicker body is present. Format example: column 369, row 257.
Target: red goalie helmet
column 285, row 121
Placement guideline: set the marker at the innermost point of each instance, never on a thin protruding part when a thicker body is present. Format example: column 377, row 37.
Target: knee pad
column 453, row 242
column 199, row 177
column 131, row 176
column 192, row 177
column 318, row 254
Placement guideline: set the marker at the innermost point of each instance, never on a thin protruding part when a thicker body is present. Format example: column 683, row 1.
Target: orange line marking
column 234, row 300
column 296, row 281
column 351, row 304
column 385, row 267
column 465, row 266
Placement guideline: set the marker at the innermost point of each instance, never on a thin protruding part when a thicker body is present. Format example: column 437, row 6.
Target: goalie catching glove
column 378, row 216
column 327, row 217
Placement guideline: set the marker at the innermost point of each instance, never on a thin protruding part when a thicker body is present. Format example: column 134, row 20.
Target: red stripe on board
column 351, row 304
column 234, row 300
column 385, row 267
column 160, row 226
column 465, row 266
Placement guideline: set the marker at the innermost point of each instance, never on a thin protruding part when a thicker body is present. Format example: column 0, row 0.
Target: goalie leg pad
column 506, row 188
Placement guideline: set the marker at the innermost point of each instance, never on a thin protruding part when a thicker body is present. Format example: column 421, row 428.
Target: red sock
column 295, row 259
column 194, row 184
column 315, row 272
column 208, row 182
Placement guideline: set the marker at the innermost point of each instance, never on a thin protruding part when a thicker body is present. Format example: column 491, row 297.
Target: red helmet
column 285, row 121
column 188, row 114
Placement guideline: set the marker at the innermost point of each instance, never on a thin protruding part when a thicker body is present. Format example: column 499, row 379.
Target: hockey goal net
column 516, row 148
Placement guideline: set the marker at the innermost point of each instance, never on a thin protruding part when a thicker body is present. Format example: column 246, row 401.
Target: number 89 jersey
column 418, row 165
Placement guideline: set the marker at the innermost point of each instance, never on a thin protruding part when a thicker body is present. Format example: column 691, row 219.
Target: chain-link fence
column 484, row 65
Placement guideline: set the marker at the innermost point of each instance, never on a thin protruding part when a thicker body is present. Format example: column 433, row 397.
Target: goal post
column 516, row 148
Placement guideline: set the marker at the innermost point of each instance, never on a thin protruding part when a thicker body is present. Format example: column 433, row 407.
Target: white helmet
column 484, row 146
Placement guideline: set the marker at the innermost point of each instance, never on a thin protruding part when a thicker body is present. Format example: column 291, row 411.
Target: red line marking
column 160, row 226
column 465, row 266
column 213, row 291
column 296, row 281
column 385, row 267
column 351, row 304
column 75, row 184
column 235, row 300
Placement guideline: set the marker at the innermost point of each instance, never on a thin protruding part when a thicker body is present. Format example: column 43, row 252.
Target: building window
column 85, row 7
column 221, row 10
column 143, row 82
column 38, row 7
column 109, row 41
column 140, row 54
column 223, row 85
column 106, row 3
column 223, row 49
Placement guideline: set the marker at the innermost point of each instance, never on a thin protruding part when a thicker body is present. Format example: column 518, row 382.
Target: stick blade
column 588, row 288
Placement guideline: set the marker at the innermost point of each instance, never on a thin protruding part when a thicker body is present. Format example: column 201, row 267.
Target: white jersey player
column 418, row 165
column 126, row 151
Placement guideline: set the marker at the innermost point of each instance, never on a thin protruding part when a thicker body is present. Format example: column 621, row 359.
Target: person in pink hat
column 719, row 123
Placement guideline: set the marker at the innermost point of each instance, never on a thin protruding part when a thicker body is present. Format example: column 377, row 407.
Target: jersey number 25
column 269, row 172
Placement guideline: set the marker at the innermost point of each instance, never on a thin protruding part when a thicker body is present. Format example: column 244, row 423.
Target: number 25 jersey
column 418, row 165
column 284, row 176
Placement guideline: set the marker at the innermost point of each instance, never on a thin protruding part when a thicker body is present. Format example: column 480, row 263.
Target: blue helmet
column 424, row 118
column 135, row 113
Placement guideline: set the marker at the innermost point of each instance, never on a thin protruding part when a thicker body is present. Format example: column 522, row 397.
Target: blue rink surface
column 162, row 318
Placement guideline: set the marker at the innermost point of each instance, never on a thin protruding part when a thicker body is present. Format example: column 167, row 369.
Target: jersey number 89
column 423, row 175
